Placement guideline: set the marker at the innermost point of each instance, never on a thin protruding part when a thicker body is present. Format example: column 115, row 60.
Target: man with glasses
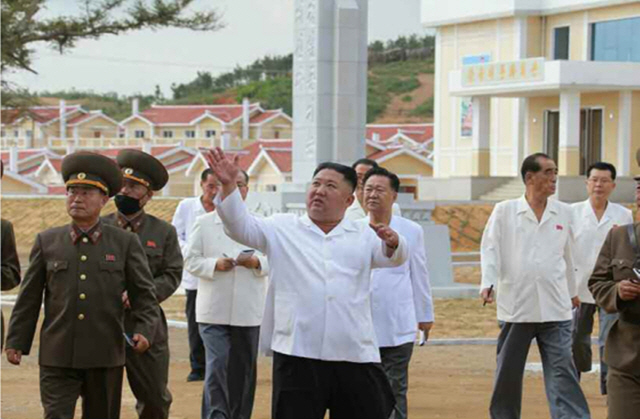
column 232, row 285
column 591, row 221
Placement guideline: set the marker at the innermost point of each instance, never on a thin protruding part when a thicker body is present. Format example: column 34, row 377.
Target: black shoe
column 195, row 375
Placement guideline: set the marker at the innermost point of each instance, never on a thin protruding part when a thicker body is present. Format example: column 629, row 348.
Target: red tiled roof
column 263, row 116
column 81, row 117
column 38, row 113
column 56, row 190
column 180, row 162
column 379, row 154
column 417, row 132
column 282, row 159
column 186, row 114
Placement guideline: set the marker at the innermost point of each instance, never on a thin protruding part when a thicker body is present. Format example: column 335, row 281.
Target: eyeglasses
column 602, row 181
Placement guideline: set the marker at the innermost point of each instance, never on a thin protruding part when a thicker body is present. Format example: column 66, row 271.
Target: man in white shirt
column 229, row 307
column 591, row 222
column 401, row 297
column 526, row 257
column 186, row 213
column 357, row 210
column 318, row 319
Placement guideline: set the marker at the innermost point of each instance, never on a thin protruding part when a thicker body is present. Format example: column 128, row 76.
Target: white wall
column 434, row 13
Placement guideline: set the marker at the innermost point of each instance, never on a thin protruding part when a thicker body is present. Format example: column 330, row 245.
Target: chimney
column 146, row 145
column 375, row 137
column 135, row 106
column 226, row 140
column 63, row 119
column 13, row 158
column 71, row 145
column 245, row 118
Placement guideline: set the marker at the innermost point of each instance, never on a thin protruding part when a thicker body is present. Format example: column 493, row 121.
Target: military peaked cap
column 91, row 169
column 143, row 168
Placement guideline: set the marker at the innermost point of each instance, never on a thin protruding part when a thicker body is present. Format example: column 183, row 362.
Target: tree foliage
column 24, row 26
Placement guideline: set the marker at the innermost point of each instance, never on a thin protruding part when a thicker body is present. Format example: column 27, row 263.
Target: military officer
column 10, row 262
column 148, row 373
column 82, row 269
column 616, row 288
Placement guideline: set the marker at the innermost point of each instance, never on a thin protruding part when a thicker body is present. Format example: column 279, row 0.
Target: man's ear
column 350, row 199
column 395, row 196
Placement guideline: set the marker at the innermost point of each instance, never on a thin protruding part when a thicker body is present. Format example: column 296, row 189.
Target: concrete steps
column 510, row 190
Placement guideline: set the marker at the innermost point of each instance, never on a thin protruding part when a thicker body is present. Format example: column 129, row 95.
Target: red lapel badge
column 559, row 227
column 110, row 258
column 151, row 243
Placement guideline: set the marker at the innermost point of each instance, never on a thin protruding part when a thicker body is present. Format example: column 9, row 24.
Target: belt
column 632, row 318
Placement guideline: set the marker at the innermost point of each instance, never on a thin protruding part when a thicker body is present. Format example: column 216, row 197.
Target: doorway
column 590, row 136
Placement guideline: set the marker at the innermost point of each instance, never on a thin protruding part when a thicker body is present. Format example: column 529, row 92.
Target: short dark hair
column 348, row 172
column 381, row 171
column 246, row 176
column 205, row 173
column 601, row 165
column 366, row 162
column 530, row 164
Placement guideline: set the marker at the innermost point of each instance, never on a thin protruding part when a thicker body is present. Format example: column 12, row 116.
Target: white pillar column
column 569, row 143
column 624, row 134
column 480, row 163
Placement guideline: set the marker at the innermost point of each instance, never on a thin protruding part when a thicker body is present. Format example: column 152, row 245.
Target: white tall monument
column 329, row 84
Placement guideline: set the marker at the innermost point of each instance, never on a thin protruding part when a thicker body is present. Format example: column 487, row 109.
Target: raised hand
column 225, row 170
column 387, row 235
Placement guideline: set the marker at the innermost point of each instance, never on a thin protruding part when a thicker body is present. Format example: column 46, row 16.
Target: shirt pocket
column 285, row 306
column 154, row 258
column 56, row 269
column 622, row 269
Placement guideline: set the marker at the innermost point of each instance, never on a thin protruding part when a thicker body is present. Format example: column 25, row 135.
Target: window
column 616, row 40
column 210, row 133
column 167, row 134
column 3, row 133
column 29, row 134
column 561, row 43
column 16, row 133
column 270, row 188
column 139, row 133
column 276, row 134
column 190, row 134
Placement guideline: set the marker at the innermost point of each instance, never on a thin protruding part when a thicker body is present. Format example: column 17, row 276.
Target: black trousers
column 100, row 389
column 148, row 376
column 306, row 388
column 196, row 347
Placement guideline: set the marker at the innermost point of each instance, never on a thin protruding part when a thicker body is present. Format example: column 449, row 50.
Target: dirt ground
column 445, row 381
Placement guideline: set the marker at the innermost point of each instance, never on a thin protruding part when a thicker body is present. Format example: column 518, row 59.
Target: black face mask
column 127, row 205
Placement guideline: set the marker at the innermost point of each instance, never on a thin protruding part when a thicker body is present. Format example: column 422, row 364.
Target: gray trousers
column 395, row 362
column 565, row 397
column 148, row 376
column 231, row 370
column 582, row 330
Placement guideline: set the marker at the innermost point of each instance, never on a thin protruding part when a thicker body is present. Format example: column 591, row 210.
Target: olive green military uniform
column 148, row 373
column 622, row 349
column 10, row 264
column 82, row 275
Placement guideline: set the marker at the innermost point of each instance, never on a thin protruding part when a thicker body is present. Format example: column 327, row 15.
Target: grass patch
column 407, row 98
column 425, row 109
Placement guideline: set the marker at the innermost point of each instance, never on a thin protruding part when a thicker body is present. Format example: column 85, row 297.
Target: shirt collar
column 131, row 224
column 93, row 234
column 524, row 207
column 343, row 226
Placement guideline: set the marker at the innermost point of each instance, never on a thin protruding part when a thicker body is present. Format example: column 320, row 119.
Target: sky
column 138, row 61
